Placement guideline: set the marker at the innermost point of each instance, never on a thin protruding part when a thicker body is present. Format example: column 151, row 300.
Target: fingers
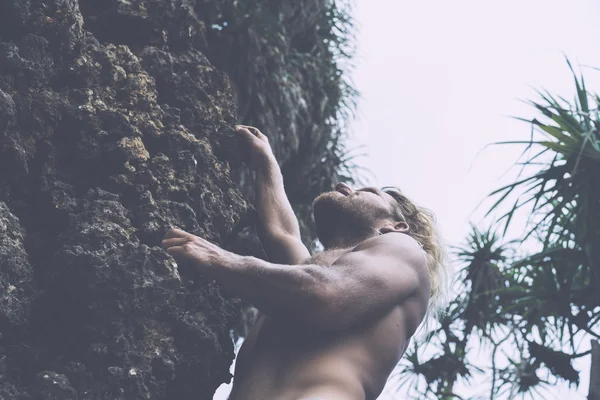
column 177, row 233
column 245, row 134
column 256, row 132
column 250, row 130
column 166, row 243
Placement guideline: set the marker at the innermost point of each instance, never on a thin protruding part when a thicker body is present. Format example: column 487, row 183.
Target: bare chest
column 327, row 257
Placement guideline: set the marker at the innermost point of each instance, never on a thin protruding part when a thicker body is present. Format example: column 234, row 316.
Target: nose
column 343, row 188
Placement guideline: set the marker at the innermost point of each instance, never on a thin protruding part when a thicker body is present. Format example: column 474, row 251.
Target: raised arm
column 379, row 274
column 278, row 228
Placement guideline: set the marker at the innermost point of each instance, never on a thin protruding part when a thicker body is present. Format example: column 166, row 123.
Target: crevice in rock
column 41, row 219
column 12, row 16
column 103, row 19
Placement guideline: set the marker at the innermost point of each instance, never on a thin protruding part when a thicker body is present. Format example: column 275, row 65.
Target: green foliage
column 290, row 63
column 540, row 304
column 564, row 194
column 479, row 287
column 558, row 362
column 484, row 281
column 564, row 200
column 519, row 377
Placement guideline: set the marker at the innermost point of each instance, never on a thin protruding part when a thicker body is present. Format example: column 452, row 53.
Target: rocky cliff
column 116, row 123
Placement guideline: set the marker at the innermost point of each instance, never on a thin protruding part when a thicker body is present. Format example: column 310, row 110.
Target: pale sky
column 438, row 81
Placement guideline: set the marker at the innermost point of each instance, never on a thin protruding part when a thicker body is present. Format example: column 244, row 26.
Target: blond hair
column 422, row 226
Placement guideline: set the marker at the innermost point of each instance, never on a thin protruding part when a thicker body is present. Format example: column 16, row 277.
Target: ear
column 394, row 227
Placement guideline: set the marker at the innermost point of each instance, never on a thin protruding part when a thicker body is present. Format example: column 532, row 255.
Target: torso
column 283, row 362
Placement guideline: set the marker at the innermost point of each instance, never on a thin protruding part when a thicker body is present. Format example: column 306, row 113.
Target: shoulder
column 399, row 246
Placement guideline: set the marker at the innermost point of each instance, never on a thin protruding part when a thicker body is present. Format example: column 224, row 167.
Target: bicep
column 284, row 249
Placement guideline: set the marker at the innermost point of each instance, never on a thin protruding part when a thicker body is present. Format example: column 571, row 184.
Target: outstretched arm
column 376, row 276
column 278, row 228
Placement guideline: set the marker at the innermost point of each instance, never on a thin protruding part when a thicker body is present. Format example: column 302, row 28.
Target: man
column 332, row 326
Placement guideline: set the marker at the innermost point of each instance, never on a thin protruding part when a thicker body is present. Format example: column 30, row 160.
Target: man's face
column 351, row 213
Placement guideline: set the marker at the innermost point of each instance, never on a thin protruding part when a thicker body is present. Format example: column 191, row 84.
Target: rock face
column 114, row 126
column 103, row 150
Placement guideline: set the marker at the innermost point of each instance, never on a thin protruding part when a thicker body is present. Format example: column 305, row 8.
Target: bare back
column 284, row 361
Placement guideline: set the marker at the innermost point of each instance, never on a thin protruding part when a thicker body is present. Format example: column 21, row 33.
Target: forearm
column 276, row 290
column 274, row 209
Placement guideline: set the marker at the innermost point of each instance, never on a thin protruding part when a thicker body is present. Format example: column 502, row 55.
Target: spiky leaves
column 478, row 308
column 555, row 299
column 541, row 305
column 563, row 195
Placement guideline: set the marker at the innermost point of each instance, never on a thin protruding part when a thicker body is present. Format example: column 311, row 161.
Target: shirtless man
column 332, row 326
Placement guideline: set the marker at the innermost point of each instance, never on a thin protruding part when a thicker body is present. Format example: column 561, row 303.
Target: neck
column 347, row 242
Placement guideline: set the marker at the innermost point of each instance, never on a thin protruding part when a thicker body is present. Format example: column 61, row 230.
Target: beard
column 344, row 219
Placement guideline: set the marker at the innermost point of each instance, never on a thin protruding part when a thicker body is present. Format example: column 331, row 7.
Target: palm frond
column 561, row 197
